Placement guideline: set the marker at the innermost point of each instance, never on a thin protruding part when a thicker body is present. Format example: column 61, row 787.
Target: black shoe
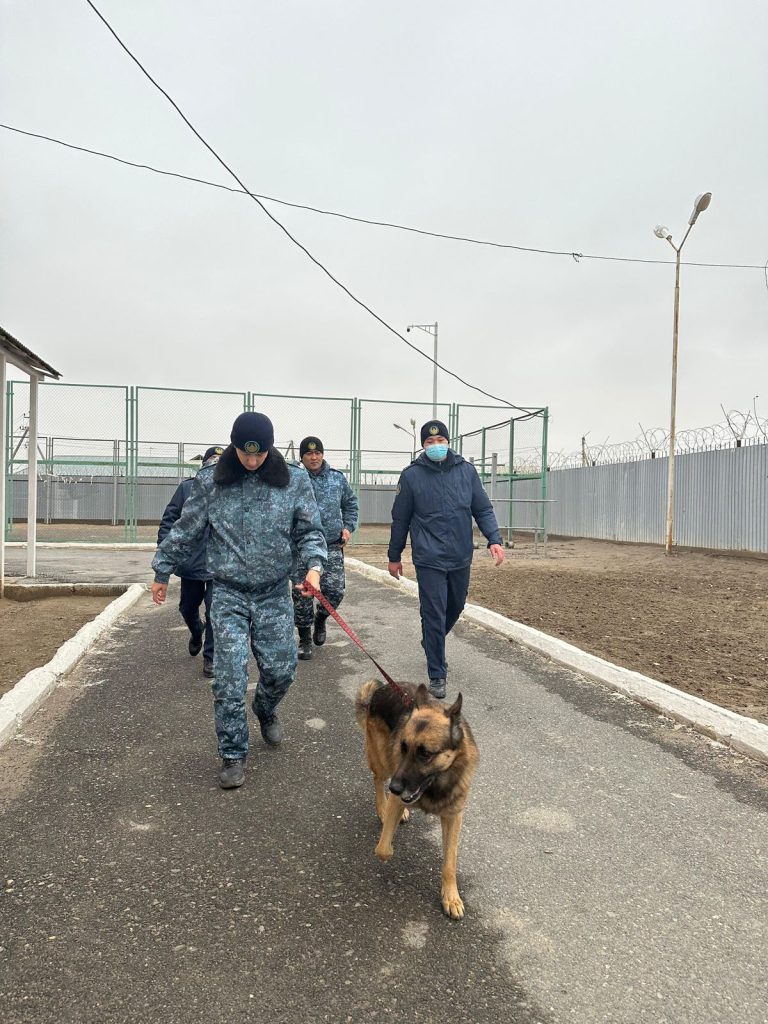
column 437, row 688
column 232, row 773
column 305, row 643
column 208, row 668
column 272, row 730
column 319, row 635
column 195, row 644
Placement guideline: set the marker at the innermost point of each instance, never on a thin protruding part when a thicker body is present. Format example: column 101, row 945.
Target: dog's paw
column 405, row 816
column 384, row 853
column 453, row 905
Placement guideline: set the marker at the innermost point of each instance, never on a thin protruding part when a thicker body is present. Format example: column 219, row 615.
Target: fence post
column 131, row 460
column 7, row 525
column 48, row 478
column 510, row 541
column 115, row 466
column 544, row 432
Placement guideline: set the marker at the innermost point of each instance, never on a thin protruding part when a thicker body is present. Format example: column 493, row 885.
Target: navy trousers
column 263, row 619
column 331, row 587
column 193, row 594
column 442, row 596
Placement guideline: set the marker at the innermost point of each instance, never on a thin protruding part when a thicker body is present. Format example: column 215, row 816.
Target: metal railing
column 110, row 457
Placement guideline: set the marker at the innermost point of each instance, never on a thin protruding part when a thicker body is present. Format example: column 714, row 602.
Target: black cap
column 310, row 444
column 214, row 450
column 434, row 428
column 253, row 433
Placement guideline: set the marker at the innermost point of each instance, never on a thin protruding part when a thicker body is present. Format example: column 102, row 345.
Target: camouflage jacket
column 336, row 500
column 255, row 520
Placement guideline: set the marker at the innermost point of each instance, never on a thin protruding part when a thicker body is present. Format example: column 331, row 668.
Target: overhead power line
column 576, row 256
column 284, row 229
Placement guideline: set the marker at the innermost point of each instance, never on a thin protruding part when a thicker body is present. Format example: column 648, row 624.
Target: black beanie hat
column 310, row 444
column 215, row 449
column 434, row 428
column 252, row 433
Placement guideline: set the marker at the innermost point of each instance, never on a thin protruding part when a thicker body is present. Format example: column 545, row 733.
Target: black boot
column 195, row 644
column 232, row 773
column 319, row 634
column 437, row 688
column 271, row 730
column 305, row 643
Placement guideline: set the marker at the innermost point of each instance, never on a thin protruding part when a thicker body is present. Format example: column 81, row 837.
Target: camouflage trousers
column 331, row 587
column 263, row 621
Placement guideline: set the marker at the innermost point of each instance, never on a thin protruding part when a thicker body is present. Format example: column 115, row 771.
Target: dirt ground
column 697, row 621
column 33, row 631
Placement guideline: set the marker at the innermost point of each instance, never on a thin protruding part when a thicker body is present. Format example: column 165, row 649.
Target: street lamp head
column 702, row 202
column 661, row 232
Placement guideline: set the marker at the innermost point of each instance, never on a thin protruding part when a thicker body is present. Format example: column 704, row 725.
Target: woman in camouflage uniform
column 339, row 514
column 259, row 509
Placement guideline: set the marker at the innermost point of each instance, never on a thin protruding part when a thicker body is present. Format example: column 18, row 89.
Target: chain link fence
column 110, row 457
column 506, row 454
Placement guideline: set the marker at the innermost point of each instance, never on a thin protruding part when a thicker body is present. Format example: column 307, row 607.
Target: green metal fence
column 109, row 456
column 506, row 454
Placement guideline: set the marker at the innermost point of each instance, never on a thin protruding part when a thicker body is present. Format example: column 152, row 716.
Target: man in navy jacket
column 196, row 581
column 438, row 496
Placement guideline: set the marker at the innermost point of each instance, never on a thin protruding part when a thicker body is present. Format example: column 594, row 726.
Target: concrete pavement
column 613, row 864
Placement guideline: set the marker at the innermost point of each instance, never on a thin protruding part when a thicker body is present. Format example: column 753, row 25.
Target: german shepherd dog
column 429, row 755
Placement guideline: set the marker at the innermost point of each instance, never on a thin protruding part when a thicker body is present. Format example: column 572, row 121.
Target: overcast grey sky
column 559, row 125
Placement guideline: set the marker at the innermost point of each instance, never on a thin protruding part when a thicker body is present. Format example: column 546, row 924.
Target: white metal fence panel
column 721, row 500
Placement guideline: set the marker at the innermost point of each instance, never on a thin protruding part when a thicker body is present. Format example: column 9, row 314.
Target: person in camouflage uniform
column 339, row 514
column 196, row 581
column 259, row 510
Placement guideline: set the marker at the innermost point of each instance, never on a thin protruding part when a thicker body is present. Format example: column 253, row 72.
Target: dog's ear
column 421, row 697
column 455, row 709
column 454, row 714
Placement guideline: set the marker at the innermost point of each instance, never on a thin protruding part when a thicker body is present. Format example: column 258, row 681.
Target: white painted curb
column 746, row 735
column 118, row 546
column 28, row 694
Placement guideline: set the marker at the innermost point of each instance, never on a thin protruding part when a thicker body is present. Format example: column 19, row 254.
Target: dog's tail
column 363, row 700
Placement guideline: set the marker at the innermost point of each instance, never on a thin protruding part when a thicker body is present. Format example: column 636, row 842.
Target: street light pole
column 411, row 433
column 431, row 329
column 702, row 202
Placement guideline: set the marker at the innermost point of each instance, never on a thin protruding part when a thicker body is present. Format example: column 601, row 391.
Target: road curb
column 27, row 695
column 98, row 545
column 22, row 592
column 746, row 735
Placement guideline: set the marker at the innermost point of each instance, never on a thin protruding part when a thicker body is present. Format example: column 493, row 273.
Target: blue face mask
column 436, row 452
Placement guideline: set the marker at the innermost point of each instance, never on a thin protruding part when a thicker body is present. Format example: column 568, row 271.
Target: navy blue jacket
column 436, row 502
column 195, row 568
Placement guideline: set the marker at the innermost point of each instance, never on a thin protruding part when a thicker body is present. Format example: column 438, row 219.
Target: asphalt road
column 613, row 864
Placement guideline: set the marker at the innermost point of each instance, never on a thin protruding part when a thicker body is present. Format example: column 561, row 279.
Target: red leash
column 404, row 697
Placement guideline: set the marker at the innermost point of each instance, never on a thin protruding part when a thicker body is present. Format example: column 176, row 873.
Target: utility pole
column 432, row 330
